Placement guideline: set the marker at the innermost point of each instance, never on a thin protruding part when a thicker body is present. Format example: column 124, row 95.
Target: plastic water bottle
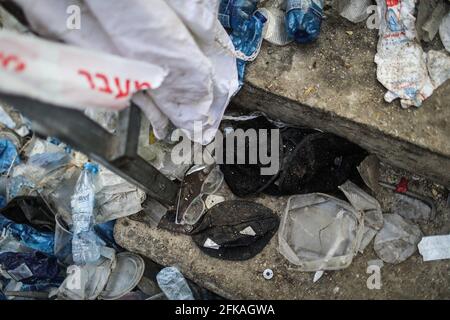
column 233, row 13
column 173, row 284
column 303, row 19
column 85, row 243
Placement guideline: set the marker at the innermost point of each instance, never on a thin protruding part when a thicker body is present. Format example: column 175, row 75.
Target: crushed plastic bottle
column 303, row 19
column 173, row 284
column 85, row 243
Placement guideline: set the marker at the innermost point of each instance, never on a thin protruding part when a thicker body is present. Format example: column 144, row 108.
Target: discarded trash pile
column 330, row 217
column 57, row 217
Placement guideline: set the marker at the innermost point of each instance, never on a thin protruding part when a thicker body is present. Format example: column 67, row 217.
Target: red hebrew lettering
column 88, row 77
column 142, row 85
column 106, row 88
column 122, row 93
column 18, row 65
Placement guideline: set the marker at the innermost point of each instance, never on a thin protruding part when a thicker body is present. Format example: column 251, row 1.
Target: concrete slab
column 331, row 85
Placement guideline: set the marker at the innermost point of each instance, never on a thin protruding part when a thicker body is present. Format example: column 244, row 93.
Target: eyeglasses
column 197, row 208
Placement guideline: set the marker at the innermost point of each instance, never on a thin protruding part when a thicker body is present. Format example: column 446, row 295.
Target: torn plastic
column 397, row 240
column 319, row 232
column 115, row 198
column 369, row 170
column 444, row 31
column 438, row 64
column 173, row 284
column 28, row 236
column 9, row 155
column 354, row 10
column 8, row 243
column 88, row 281
column 429, row 17
column 412, row 208
column 370, row 209
column 303, row 19
column 363, row 202
column 435, row 247
column 275, row 26
column 401, row 62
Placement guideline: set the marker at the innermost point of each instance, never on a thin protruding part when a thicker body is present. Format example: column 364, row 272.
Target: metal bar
column 117, row 152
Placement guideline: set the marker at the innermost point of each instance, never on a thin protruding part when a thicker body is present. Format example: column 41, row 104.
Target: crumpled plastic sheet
column 435, row 247
column 438, row 64
column 8, row 155
column 353, row 10
column 429, row 17
column 401, row 62
column 116, row 198
column 444, row 32
column 29, row 267
column 411, row 208
column 369, row 207
column 173, row 284
column 28, row 236
column 319, row 232
column 397, row 240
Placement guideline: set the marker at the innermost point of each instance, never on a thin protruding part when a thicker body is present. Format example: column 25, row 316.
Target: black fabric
column 320, row 163
column 245, row 179
column 310, row 161
column 223, row 224
column 32, row 211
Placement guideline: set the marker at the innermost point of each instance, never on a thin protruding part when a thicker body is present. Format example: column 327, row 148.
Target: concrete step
column 331, row 85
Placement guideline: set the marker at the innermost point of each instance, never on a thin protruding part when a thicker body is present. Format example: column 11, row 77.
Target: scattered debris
column 275, row 26
column 397, row 240
column 435, row 248
column 353, row 10
column 444, row 31
column 318, row 275
column 319, row 232
column 412, row 208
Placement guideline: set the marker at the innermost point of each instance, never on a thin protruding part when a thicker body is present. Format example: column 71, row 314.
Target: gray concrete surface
column 331, row 85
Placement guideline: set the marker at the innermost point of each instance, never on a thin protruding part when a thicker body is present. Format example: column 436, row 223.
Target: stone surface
column 331, row 85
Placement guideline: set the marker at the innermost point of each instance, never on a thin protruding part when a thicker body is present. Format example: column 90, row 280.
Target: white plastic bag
column 183, row 36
